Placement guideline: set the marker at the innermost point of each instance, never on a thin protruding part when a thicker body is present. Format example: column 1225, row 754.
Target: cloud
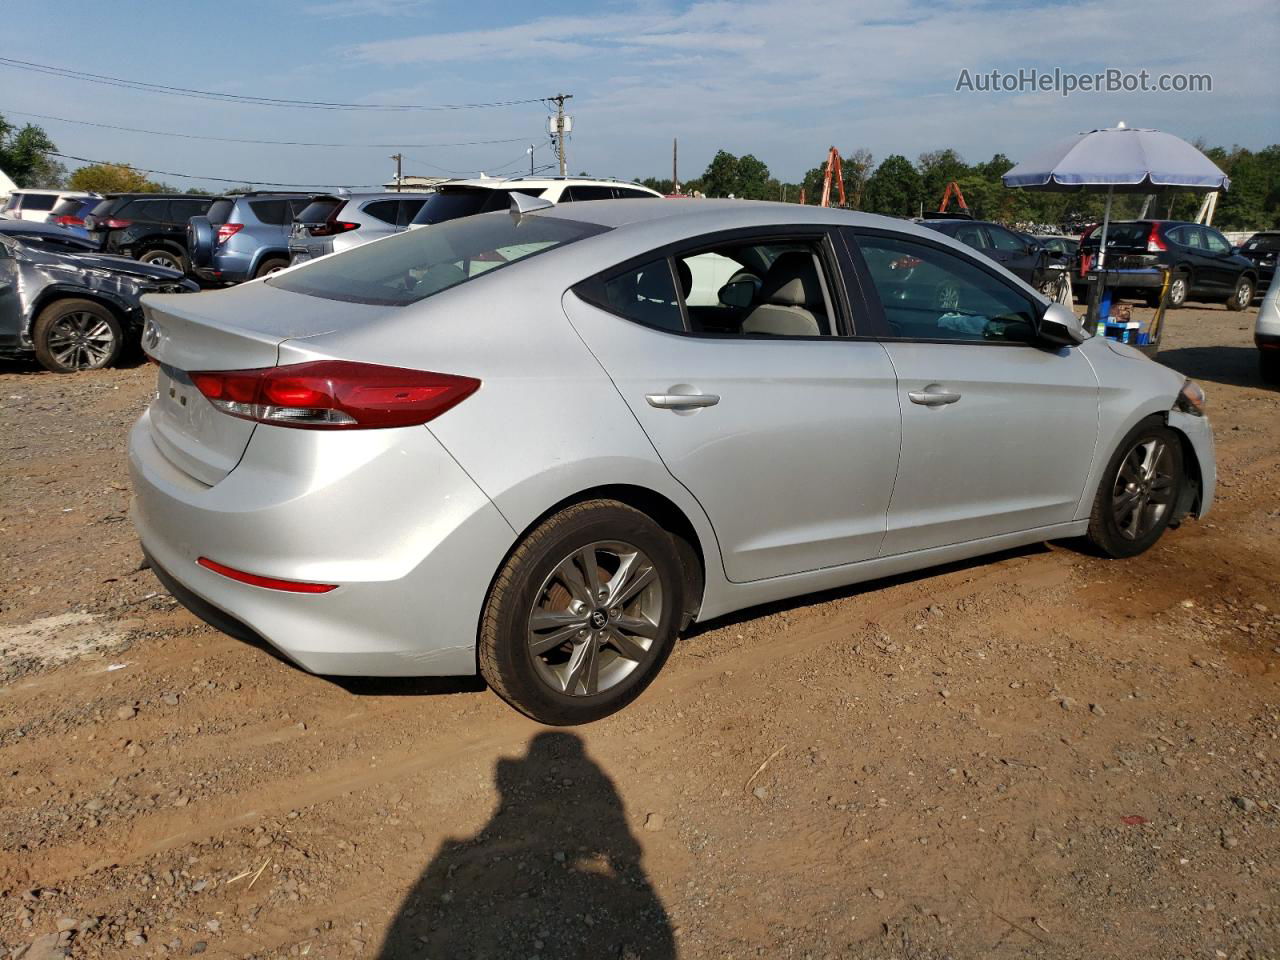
column 338, row 9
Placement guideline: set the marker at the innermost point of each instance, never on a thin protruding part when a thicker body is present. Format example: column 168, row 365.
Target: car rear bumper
column 387, row 515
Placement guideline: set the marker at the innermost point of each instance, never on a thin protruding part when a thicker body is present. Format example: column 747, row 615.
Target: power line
column 282, row 143
column 147, row 87
column 197, row 176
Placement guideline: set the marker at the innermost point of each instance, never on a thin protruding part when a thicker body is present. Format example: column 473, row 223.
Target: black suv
column 151, row 227
column 1025, row 259
column 1204, row 265
column 1262, row 250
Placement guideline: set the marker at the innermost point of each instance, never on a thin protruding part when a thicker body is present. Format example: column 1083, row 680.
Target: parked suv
column 333, row 223
column 243, row 237
column 1261, row 250
column 1203, row 264
column 69, row 213
column 462, row 198
column 151, row 227
column 1026, row 259
column 35, row 204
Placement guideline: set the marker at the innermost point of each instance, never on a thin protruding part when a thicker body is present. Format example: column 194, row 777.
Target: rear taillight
column 334, row 394
column 331, row 228
column 1154, row 243
column 68, row 221
column 114, row 223
column 228, row 230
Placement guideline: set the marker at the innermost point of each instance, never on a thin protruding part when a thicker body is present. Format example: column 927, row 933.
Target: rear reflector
column 334, row 394
column 270, row 583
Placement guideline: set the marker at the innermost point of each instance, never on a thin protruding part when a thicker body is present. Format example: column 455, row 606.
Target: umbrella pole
column 1106, row 219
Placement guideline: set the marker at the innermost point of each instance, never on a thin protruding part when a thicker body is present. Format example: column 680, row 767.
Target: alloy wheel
column 1177, row 290
column 164, row 260
column 1144, row 488
column 81, row 341
column 595, row 618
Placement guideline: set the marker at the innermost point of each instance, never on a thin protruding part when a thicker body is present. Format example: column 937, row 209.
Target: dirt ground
column 1038, row 754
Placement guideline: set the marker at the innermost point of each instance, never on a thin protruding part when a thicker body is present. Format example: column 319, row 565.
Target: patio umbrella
column 1120, row 158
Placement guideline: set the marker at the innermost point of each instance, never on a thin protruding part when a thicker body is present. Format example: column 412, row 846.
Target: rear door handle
column 932, row 397
column 681, row 401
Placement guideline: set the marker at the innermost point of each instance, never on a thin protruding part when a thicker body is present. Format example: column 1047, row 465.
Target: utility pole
column 675, row 177
column 562, row 125
column 530, row 152
column 399, row 159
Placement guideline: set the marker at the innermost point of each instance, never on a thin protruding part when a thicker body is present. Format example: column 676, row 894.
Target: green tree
column 111, row 178
column 894, row 188
column 24, row 156
column 752, row 179
column 937, row 169
column 721, row 176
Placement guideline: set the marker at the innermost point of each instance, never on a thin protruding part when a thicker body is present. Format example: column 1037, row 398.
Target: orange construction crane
column 953, row 190
column 833, row 167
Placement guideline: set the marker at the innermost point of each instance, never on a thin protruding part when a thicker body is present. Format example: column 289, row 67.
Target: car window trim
column 592, row 288
column 875, row 309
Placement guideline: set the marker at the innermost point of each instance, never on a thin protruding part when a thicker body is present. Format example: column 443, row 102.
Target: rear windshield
column 220, row 211
column 1263, row 243
column 318, row 210
column 1122, row 235
column 414, row 265
column 70, row 206
column 447, row 204
column 103, row 207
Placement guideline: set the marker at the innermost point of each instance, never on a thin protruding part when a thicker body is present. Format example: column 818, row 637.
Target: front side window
column 579, row 192
column 928, row 293
column 1215, row 242
column 1002, row 239
column 412, row 266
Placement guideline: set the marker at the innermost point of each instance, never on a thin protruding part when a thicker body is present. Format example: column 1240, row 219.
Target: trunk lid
column 237, row 329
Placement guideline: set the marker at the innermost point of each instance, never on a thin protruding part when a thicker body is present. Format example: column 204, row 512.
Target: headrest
column 792, row 281
column 686, row 278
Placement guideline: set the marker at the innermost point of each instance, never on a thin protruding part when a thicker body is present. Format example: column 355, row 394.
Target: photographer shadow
column 555, row 873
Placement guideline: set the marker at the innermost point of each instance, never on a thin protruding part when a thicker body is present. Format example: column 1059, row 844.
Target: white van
column 35, row 204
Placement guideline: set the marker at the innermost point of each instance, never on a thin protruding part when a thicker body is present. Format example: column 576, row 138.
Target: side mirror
column 1059, row 325
column 738, row 294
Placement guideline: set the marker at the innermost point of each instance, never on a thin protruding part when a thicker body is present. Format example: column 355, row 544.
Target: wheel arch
column 659, row 508
column 262, row 255
column 1191, row 500
column 51, row 295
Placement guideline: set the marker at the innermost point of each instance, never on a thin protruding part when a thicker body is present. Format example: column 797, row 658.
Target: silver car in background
column 512, row 444
column 332, row 223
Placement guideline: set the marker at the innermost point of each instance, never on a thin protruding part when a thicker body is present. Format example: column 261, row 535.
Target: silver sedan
column 518, row 444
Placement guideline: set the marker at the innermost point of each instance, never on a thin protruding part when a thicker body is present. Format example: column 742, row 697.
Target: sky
column 781, row 79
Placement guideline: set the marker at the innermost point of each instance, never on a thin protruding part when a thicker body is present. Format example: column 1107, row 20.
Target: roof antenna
column 522, row 203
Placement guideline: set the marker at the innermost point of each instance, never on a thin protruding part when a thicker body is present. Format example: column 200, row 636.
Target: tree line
column 895, row 186
column 899, row 188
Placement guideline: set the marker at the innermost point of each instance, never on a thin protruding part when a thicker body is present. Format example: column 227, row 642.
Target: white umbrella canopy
column 1119, row 158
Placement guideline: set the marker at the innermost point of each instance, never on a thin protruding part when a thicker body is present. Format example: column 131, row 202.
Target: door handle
column 681, row 401
column 930, row 397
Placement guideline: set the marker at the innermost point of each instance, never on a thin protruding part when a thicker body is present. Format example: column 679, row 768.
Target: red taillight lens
column 1154, row 243
column 228, row 230
column 332, row 227
column 271, row 583
column 334, row 394
column 114, row 223
column 68, row 221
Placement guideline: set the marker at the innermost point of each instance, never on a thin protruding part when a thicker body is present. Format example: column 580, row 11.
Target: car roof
column 496, row 183
column 32, row 227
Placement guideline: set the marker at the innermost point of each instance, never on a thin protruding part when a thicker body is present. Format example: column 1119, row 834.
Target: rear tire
column 552, row 651
column 74, row 335
column 1178, row 290
column 270, row 266
column 1139, row 491
column 1243, row 295
column 164, row 257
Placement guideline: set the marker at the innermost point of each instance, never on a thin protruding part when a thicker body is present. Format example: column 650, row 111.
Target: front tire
column 583, row 614
column 74, row 335
column 1243, row 295
column 1139, row 491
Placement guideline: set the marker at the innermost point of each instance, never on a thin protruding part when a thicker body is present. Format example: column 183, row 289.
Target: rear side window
column 180, row 211
column 38, row 201
column 647, row 295
column 932, row 294
column 383, row 210
column 319, row 210
column 972, row 235
column 412, row 266
column 274, row 212
column 144, row 210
